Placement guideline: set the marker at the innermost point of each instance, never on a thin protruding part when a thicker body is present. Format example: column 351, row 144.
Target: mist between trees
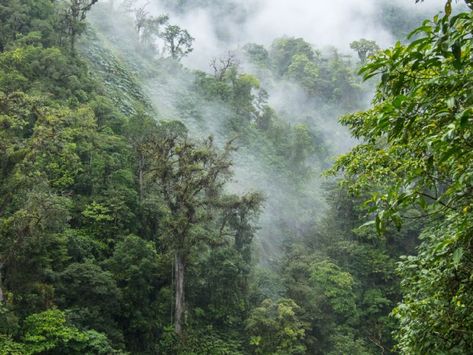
column 235, row 177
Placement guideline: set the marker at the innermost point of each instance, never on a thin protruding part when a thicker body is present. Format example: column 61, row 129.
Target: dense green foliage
column 122, row 231
column 327, row 78
column 83, row 219
column 416, row 163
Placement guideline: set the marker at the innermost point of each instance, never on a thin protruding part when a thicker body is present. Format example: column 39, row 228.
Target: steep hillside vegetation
column 150, row 208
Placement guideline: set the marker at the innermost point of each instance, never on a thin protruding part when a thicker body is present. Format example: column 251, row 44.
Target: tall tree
column 190, row 176
column 178, row 42
column 73, row 18
column 364, row 48
column 147, row 26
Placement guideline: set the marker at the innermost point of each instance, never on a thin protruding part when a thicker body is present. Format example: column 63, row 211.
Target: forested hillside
column 152, row 205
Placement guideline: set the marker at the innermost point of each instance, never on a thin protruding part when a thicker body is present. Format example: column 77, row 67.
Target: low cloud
column 233, row 23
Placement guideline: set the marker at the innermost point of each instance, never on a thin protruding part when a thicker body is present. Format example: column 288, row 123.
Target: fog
column 219, row 27
column 320, row 22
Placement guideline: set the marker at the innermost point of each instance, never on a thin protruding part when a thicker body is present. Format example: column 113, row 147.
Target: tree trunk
column 2, row 297
column 173, row 50
column 73, row 44
column 180, row 300
column 141, row 176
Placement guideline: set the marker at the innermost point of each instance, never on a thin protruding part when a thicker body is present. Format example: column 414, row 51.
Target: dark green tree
column 283, row 50
column 416, row 163
column 190, row 177
column 177, row 41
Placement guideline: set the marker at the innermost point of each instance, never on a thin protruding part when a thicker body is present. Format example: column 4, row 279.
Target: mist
column 236, row 177
column 289, row 210
column 323, row 23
